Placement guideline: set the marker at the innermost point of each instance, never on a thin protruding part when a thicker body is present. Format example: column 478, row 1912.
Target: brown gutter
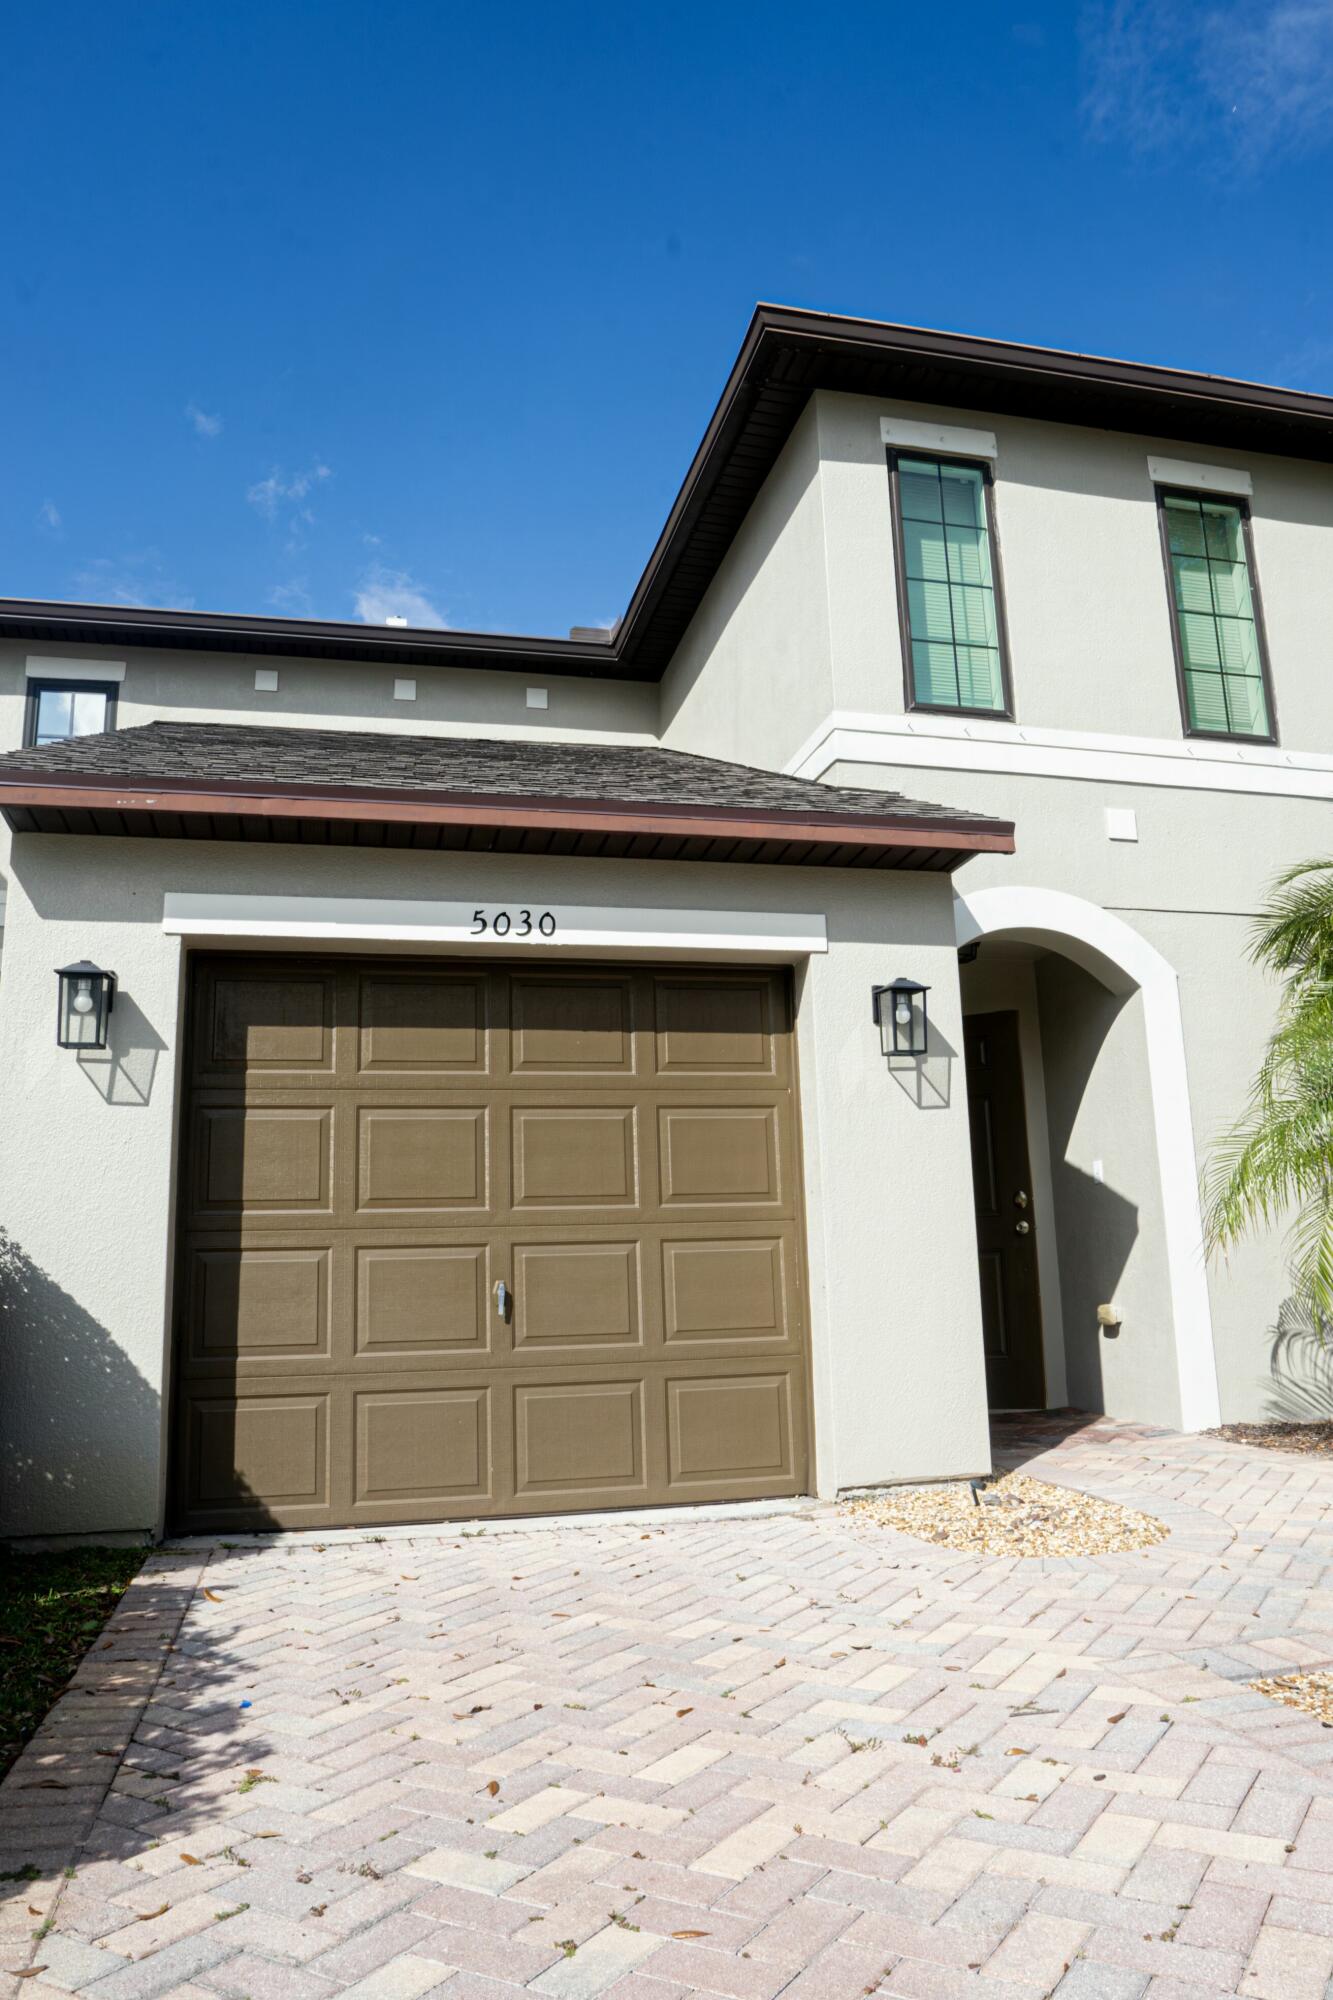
column 240, row 799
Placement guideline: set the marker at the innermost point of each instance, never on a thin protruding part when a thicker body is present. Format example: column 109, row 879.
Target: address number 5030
column 513, row 923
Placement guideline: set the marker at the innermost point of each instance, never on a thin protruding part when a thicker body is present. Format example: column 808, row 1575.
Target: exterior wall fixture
column 87, row 995
column 899, row 1012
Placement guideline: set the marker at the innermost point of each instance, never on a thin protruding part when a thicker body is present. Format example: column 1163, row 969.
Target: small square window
column 60, row 710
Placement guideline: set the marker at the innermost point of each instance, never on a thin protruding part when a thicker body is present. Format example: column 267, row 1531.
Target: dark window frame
column 1163, row 493
column 40, row 684
column 912, row 705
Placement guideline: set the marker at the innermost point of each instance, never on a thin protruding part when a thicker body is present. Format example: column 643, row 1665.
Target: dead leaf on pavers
column 494, row 1787
column 191, row 1860
column 33, row 1911
column 691, row 1934
column 1118, row 1718
column 45, row 1785
column 28, row 1972
column 465, row 1715
column 683, row 1711
column 213, row 1594
column 407, row 1578
column 1018, row 1753
column 146, row 1916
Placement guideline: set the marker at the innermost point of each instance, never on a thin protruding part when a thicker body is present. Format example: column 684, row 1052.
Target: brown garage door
column 372, row 1149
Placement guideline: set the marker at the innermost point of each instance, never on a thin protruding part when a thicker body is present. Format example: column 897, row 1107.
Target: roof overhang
column 787, row 354
column 35, row 802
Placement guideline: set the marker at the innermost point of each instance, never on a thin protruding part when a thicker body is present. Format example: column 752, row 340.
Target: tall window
column 1215, row 612
column 58, row 710
column 949, row 585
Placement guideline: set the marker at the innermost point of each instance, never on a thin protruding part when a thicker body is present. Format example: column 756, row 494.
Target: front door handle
column 1022, row 1228
column 502, row 1298
column 1021, row 1198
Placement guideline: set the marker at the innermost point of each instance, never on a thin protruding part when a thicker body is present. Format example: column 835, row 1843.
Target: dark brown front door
column 1006, row 1231
column 461, row 1239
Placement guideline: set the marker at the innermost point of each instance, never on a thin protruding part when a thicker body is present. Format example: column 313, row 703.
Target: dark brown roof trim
column 44, row 621
column 33, row 803
column 787, row 353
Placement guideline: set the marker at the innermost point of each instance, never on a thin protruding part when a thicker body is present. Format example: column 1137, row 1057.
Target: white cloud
column 139, row 577
column 293, row 598
column 267, row 496
column 48, row 517
column 1168, row 73
column 385, row 593
column 205, row 426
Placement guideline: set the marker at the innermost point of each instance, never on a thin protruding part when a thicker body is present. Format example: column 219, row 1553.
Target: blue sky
column 344, row 310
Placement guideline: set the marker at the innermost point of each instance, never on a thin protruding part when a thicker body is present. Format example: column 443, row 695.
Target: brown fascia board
column 787, row 353
column 303, row 638
column 243, row 798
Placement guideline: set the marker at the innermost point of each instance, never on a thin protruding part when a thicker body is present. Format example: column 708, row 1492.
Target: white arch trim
column 1116, row 954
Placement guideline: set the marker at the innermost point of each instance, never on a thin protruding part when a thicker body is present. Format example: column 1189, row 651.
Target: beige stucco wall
column 1190, row 886
column 86, row 1169
column 1081, row 563
column 752, row 674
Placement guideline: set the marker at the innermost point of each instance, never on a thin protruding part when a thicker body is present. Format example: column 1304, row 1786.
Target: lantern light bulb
column 902, row 1014
column 82, row 1002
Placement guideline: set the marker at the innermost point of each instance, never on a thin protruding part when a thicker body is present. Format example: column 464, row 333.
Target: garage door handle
column 502, row 1298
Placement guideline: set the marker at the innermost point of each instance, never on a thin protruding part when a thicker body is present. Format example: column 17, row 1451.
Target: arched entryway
column 1075, row 1042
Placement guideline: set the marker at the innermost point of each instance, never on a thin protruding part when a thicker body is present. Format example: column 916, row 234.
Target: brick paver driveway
column 676, row 1756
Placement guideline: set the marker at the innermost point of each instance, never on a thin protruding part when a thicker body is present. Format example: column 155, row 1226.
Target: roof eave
column 45, row 620
column 32, row 802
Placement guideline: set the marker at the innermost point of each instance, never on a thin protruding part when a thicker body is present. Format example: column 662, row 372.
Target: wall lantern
column 899, row 1012
column 87, row 995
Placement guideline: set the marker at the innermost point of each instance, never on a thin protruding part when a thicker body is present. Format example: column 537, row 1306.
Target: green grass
column 52, row 1607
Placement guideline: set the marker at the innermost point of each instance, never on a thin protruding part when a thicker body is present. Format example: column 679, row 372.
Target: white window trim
column 952, row 439
column 1202, row 478
column 40, row 669
column 381, row 920
column 1010, row 749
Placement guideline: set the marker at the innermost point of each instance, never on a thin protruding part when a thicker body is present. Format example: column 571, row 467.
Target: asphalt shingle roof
column 197, row 754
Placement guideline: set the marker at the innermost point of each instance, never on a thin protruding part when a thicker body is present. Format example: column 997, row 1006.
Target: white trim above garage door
column 506, row 925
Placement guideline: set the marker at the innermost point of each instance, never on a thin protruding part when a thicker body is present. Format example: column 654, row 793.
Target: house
column 707, row 1060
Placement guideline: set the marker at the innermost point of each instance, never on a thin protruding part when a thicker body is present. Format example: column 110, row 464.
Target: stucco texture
column 1190, row 886
column 86, row 1173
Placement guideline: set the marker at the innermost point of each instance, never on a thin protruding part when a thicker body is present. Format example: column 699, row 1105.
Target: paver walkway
column 738, row 1757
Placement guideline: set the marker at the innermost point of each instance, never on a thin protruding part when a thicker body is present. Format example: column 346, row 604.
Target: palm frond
column 1295, row 933
column 1277, row 1160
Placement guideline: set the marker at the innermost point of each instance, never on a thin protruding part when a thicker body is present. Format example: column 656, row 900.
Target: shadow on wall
column 927, row 1080
column 1300, row 1366
column 1105, row 1226
column 79, row 1426
column 123, row 1072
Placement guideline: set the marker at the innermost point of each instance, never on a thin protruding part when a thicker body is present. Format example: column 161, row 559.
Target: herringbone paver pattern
column 752, row 1756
